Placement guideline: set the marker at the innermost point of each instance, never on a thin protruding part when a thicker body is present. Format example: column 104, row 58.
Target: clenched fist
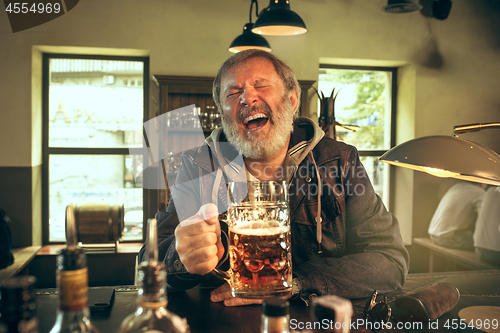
column 198, row 242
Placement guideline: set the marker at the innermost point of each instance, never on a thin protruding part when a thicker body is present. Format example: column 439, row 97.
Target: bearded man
column 344, row 243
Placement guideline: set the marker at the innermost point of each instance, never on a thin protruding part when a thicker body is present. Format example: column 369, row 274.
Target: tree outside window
column 365, row 99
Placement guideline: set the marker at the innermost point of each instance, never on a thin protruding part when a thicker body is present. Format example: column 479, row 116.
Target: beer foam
column 258, row 228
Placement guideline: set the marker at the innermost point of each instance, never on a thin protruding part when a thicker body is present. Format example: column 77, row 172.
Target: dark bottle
column 18, row 306
column 275, row 316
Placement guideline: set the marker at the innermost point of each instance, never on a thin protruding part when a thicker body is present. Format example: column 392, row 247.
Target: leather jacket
column 361, row 246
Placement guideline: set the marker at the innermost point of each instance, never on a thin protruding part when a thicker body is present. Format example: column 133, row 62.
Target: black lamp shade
column 278, row 20
column 248, row 40
column 401, row 6
column 441, row 9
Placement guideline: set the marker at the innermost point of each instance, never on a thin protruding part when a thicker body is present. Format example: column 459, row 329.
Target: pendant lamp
column 279, row 20
column 249, row 40
column 401, row 6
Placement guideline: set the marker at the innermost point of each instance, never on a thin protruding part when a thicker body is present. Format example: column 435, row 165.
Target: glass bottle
column 196, row 118
column 73, row 313
column 170, row 162
column 214, row 115
column 216, row 119
column 191, row 120
column 175, row 121
column 18, row 306
column 275, row 316
column 205, row 118
column 152, row 315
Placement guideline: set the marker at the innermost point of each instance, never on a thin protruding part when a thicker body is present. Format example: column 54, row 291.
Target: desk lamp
column 449, row 156
column 453, row 157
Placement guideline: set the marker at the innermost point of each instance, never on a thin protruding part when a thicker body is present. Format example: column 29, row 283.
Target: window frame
column 394, row 93
column 47, row 151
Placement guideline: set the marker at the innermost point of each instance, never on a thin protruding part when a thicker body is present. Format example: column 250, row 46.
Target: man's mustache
column 247, row 110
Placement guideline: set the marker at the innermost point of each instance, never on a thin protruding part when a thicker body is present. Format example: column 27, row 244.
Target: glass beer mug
column 259, row 240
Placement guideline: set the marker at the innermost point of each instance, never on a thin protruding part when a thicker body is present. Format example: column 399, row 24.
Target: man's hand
column 223, row 293
column 198, row 242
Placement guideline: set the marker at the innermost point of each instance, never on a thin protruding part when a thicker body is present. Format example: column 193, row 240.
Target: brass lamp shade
column 279, row 20
column 447, row 156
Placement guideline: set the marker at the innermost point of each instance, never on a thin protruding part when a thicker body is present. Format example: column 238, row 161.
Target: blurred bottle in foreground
column 332, row 313
column 275, row 316
column 18, row 306
column 73, row 313
column 151, row 314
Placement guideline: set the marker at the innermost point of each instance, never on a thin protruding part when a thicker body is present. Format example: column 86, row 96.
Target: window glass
column 363, row 100
column 102, row 177
column 378, row 173
column 94, row 106
column 93, row 103
column 363, row 109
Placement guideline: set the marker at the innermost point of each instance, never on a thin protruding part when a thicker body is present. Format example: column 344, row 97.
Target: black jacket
column 362, row 248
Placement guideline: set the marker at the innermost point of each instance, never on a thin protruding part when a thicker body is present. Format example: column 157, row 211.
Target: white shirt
column 487, row 233
column 457, row 210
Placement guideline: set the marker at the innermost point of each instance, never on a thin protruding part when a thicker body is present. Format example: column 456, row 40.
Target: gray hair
column 283, row 70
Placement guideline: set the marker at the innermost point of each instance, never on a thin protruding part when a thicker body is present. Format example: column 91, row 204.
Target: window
column 91, row 104
column 366, row 99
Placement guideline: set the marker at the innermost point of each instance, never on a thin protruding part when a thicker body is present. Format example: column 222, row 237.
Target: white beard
column 253, row 146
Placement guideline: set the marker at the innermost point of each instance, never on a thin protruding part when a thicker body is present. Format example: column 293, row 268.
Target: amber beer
column 260, row 254
column 260, row 259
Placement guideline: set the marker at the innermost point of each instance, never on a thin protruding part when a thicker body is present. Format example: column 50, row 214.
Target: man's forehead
column 255, row 69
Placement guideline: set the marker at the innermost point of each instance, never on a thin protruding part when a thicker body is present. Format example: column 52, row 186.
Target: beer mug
column 259, row 243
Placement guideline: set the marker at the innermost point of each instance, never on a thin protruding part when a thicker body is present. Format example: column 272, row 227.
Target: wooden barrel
column 99, row 222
